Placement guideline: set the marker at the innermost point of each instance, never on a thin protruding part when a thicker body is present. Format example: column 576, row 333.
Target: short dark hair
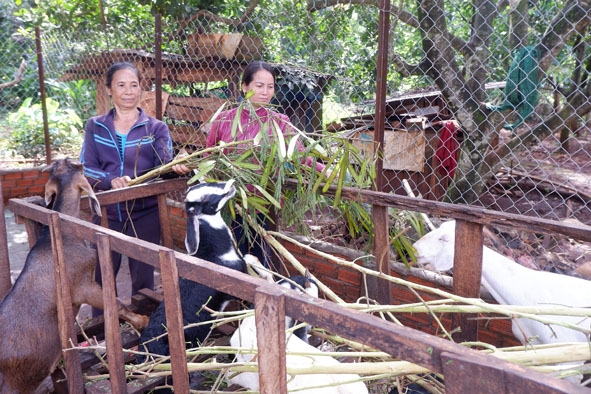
column 120, row 66
column 253, row 68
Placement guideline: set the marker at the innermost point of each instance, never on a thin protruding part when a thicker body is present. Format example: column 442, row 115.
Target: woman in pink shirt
column 259, row 78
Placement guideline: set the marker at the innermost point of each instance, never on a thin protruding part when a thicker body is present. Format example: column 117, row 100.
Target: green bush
column 27, row 138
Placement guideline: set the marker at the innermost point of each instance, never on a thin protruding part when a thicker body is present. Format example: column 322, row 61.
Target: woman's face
column 125, row 89
column 263, row 86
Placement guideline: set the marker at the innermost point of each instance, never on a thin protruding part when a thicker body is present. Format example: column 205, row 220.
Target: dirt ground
column 550, row 182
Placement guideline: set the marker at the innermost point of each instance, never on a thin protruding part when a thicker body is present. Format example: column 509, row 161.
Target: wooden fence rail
column 465, row 370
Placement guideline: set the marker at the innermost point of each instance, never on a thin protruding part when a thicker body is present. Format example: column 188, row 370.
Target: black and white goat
column 29, row 341
column 300, row 354
column 209, row 238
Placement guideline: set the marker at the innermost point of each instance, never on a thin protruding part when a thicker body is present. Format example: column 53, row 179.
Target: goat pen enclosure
column 465, row 370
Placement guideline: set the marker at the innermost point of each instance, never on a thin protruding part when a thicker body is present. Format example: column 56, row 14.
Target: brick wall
column 348, row 284
column 178, row 223
column 19, row 183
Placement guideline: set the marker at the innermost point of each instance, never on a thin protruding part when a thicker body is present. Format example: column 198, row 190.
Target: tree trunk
column 474, row 165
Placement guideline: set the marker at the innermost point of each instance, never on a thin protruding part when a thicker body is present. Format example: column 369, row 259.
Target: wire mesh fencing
column 486, row 104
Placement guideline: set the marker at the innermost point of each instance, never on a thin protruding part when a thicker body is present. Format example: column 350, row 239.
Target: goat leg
column 93, row 296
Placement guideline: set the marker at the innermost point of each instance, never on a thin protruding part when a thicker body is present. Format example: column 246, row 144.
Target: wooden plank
column 144, row 190
column 129, row 339
column 136, row 386
column 165, row 230
column 111, row 314
column 198, row 74
column 5, row 283
column 403, row 150
column 148, row 102
column 269, row 307
column 207, row 103
column 487, row 376
column 64, row 308
column 469, row 213
column 187, row 135
column 174, row 321
column 234, row 46
column 201, row 112
column 470, row 377
column 33, row 231
column 467, row 275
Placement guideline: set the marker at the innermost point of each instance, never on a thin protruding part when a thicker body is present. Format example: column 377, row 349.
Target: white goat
column 246, row 337
column 513, row 284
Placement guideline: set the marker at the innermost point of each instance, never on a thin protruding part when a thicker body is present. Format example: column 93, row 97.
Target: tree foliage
column 453, row 45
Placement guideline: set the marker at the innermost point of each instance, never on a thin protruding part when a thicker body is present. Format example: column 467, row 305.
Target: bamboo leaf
column 268, row 167
column 319, row 149
column 280, row 141
column 259, row 205
column 293, row 143
column 268, row 196
column 261, row 134
column 249, row 94
column 328, row 167
column 216, row 113
column 244, row 197
column 236, row 122
column 248, row 166
column 334, row 172
column 202, row 170
column 246, row 155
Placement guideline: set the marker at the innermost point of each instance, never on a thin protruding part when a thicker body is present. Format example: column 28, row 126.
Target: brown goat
column 29, row 334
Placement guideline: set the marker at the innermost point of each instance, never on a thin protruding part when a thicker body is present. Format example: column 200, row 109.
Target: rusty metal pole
column 381, row 246
column 43, row 95
column 5, row 283
column 158, row 66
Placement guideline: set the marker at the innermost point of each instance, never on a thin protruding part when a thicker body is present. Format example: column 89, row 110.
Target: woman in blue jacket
column 118, row 146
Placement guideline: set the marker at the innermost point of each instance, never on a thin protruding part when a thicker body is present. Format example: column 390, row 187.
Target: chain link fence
column 486, row 104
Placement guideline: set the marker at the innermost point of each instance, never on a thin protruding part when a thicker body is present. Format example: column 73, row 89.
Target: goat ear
column 51, row 190
column 229, row 192
column 95, row 205
column 192, row 237
column 229, row 186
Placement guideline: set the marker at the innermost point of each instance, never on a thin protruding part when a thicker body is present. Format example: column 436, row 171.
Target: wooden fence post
column 174, row 321
column 467, row 275
column 65, row 313
column 269, row 307
column 111, row 314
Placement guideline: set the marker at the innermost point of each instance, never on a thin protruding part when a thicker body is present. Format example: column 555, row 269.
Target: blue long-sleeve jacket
column 148, row 146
